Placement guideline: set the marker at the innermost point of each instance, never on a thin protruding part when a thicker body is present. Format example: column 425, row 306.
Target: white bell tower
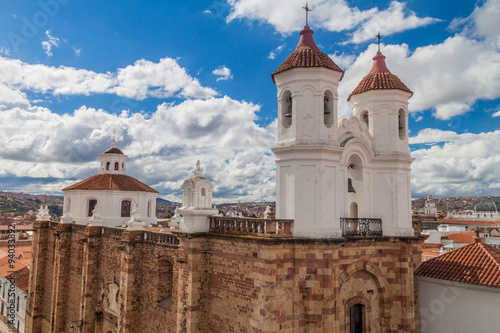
column 113, row 161
column 307, row 151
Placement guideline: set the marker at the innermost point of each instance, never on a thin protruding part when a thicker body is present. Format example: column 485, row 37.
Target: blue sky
column 180, row 81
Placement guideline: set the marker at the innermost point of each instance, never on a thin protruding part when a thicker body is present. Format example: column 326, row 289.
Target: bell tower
column 307, row 151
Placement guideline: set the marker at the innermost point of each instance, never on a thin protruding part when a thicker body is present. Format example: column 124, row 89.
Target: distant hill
column 21, row 203
column 452, row 203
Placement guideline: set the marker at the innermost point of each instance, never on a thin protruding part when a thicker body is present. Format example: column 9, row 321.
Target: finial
column 197, row 170
column 307, row 9
column 113, row 143
column 379, row 38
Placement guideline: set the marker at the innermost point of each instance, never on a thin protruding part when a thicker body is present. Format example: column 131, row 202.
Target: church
column 338, row 256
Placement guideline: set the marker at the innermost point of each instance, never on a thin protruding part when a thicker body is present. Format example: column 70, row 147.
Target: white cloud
column 77, row 51
column 496, row 114
column 206, row 11
column 333, row 15
column 455, row 163
column 4, row 50
column 448, row 77
column 223, row 73
column 343, row 60
column 138, row 81
column 276, row 51
column 48, row 44
column 221, row 132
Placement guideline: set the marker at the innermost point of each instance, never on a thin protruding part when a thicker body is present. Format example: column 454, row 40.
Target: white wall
column 110, row 205
column 447, row 306
column 4, row 303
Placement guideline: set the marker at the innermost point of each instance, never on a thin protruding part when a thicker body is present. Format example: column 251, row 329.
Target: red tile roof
column 379, row 78
column 461, row 237
column 22, row 278
column 307, row 54
column 476, row 263
column 111, row 182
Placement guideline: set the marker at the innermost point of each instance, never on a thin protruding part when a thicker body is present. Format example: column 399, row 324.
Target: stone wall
column 114, row 280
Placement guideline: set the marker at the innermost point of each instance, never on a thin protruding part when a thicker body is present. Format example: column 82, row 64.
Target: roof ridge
column 487, row 249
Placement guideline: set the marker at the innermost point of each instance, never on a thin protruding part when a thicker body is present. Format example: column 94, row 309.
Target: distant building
column 430, row 206
column 486, row 210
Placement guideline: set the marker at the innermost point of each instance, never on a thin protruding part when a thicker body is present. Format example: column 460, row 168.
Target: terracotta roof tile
column 461, row 237
column 111, row 182
column 22, row 278
column 307, row 54
column 476, row 263
column 379, row 78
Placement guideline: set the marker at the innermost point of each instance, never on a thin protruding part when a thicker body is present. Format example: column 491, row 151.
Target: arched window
column 356, row 318
column 149, row 208
column 17, row 308
column 286, row 109
column 164, row 284
column 116, row 165
column 107, row 165
column 328, row 108
column 364, row 118
column 401, row 124
column 91, row 206
column 123, row 166
column 125, row 208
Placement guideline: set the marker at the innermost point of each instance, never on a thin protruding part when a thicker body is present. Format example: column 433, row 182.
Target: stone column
column 62, row 254
column 36, row 294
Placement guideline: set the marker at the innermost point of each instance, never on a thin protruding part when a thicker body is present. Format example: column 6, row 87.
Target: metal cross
column 307, row 9
column 379, row 38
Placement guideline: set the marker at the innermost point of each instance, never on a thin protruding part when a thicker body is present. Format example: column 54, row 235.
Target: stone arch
column 354, row 282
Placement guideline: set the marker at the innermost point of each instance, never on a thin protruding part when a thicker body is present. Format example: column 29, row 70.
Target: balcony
column 251, row 226
column 360, row 227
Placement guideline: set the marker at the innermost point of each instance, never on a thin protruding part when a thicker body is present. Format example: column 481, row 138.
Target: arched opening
column 364, row 118
column 17, row 308
column 123, row 166
column 402, row 124
column 328, row 108
column 203, row 198
column 91, row 206
column 149, row 208
column 353, row 210
column 356, row 322
column 125, row 211
column 286, row 109
column 164, row 284
column 355, row 186
column 116, row 166
column 107, row 165
column 188, row 196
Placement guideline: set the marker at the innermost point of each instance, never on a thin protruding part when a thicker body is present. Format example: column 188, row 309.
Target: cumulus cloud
column 162, row 146
column 455, row 164
column 496, row 114
column 138, row 81
column 447, row 77
column 333, row 15
column 276, row 51
column 223, row 73
column 49, row 43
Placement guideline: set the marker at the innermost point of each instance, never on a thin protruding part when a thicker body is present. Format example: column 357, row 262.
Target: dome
column 487, row 205
column 379, row 78
column 307, row 54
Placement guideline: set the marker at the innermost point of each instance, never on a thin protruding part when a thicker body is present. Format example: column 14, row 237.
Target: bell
column 289, row 113
column 326, row 109
column 350, row 188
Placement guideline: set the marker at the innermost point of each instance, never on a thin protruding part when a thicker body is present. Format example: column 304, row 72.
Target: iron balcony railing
column 360, row 227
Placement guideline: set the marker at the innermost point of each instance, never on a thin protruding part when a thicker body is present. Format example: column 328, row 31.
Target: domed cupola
column 307, row 54
column 379, row 78
column 113, row 161
column 487, row 205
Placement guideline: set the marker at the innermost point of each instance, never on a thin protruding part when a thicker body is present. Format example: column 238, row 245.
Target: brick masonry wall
column 221, row 283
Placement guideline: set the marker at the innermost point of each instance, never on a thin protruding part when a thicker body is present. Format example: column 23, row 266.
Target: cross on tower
column 379, row 38
column 307, row 9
